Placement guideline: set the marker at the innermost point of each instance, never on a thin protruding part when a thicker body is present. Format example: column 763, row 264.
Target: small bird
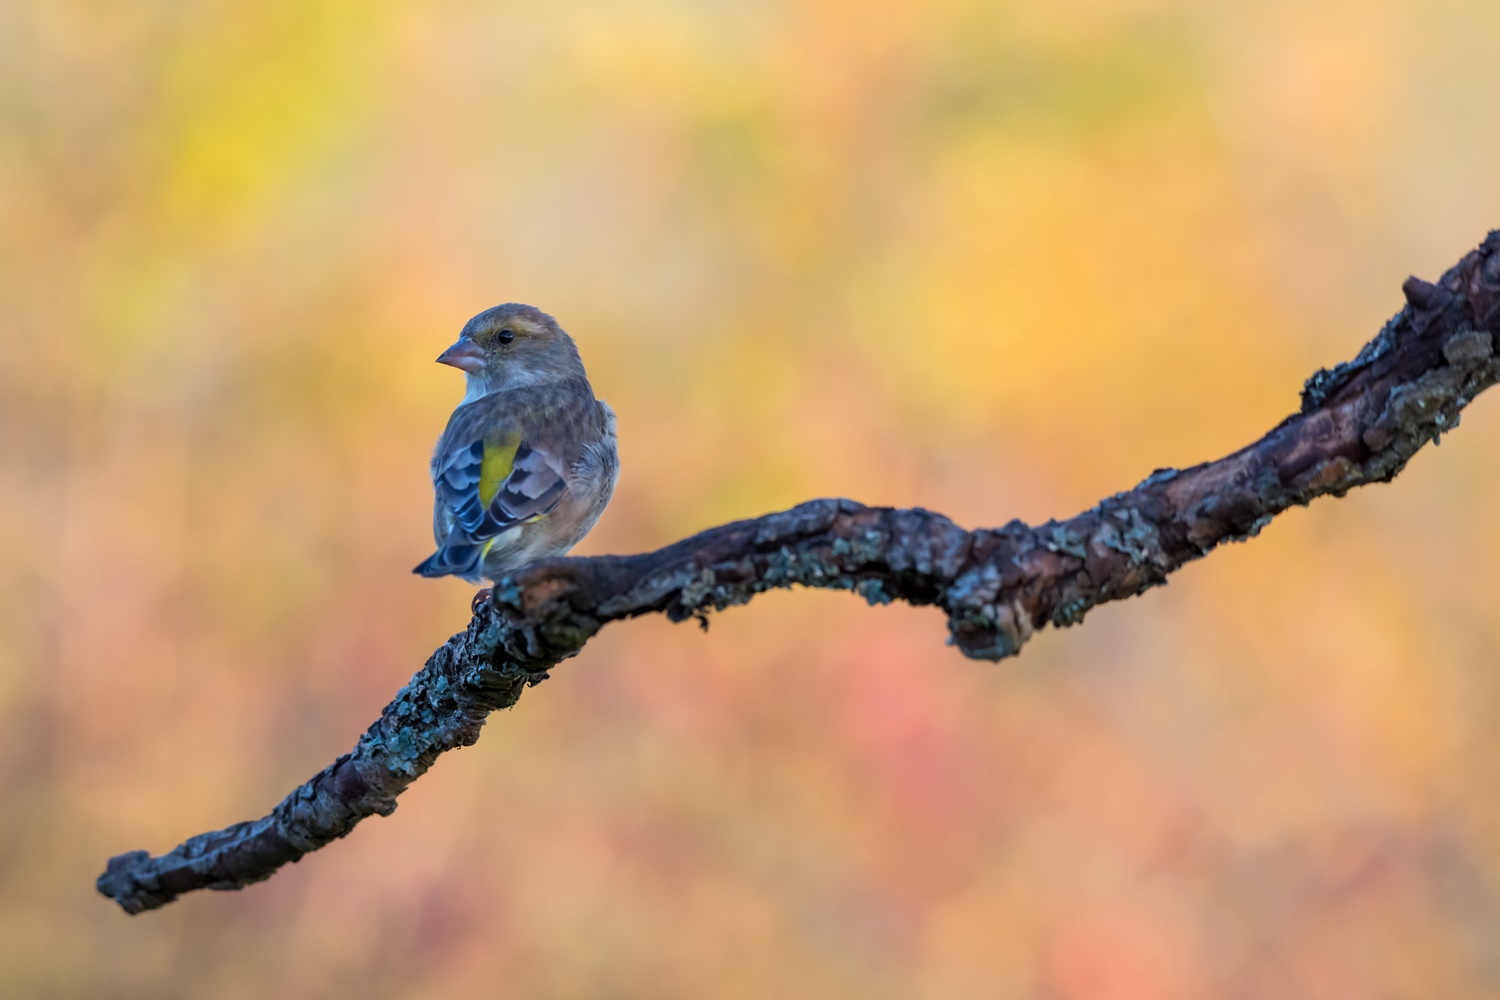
column 528, row 460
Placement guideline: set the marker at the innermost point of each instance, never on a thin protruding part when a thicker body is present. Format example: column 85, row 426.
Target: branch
column 1359, row 423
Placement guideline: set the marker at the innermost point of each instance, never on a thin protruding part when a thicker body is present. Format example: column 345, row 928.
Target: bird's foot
column 481, row 599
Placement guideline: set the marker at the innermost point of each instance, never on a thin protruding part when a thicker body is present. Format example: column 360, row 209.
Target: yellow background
column 994, row 258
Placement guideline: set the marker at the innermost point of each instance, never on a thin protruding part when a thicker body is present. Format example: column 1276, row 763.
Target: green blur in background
column 998, row 259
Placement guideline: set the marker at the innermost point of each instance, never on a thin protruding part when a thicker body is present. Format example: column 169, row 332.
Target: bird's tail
column 460, row 559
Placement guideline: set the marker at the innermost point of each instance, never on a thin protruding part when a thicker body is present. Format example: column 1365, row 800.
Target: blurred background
column 996, row 258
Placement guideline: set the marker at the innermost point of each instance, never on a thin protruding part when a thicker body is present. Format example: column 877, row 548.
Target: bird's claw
column 481, row 599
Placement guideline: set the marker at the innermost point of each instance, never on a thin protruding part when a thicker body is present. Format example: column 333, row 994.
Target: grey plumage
column 528, row 461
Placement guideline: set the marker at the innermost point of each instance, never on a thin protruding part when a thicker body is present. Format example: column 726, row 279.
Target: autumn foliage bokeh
column 996, row 258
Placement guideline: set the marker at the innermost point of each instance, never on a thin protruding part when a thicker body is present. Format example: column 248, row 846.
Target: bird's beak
column 465, row 355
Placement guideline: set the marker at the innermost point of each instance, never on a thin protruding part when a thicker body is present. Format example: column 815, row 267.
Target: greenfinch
column 528, row 460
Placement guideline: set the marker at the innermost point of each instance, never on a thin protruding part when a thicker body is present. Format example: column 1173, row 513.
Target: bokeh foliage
column 994, row 258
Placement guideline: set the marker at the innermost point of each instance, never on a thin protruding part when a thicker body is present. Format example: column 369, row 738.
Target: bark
column 1359, row 423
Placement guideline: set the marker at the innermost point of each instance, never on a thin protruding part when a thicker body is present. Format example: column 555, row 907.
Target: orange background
column 994, row 258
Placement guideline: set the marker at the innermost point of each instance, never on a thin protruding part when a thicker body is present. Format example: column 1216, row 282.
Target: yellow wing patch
column 499, row 459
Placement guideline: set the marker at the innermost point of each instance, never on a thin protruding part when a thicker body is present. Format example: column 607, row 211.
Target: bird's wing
column 489, row 485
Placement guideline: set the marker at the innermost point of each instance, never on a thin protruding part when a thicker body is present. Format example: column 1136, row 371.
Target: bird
column 528, row 460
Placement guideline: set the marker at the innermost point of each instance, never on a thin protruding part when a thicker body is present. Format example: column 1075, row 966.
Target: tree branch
column 1359, row 423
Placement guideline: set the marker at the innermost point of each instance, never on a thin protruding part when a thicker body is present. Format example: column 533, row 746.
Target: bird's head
column 513, row 345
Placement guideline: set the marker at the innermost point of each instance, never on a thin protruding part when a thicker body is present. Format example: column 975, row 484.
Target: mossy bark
column 1360, row 422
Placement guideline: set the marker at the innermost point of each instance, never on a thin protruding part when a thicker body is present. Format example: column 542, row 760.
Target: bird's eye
column 506, row 336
